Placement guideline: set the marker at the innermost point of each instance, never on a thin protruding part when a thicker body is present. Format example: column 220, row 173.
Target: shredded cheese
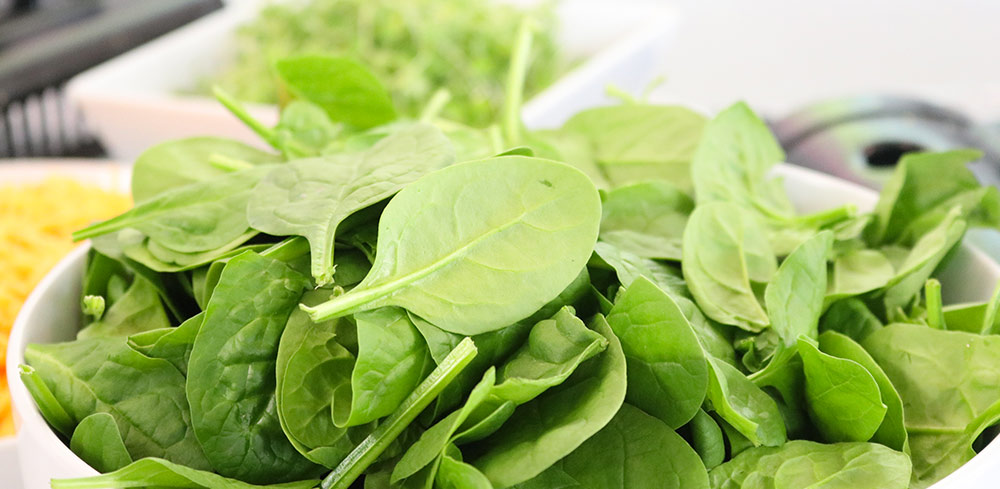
column 36, row 221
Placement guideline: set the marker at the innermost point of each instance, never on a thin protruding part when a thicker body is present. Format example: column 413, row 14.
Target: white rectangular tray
column 133, row 101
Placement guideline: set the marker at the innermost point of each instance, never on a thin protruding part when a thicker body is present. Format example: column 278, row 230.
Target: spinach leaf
column 553, row 425
column 732, row 161
column 667, row 370
column 536, row 208
column 857, row 272
column 304, row 130
column 175, row 164
column 946, row 380
column 646, row 218
column 921, row 261
column 366, row 452
column 47, row 403
column 311, row 197
column 201, row 216
column 171, row 344
column 927, row 186
column 892, row 431
column 232, row 396
column 145, row 395
column 155, row 472
column 803, row 463
column 392, row 360
column 634, row 450
column 98, row 442
column 573, row 148
column 794, row 298
column 453, row 473
column 344, row 88
column 850, row 317
column 138, row 310
column 313, row 371
column 725, row 252
column 744, row 405
column 843, row 398
column 641, row 142
column 706, row 439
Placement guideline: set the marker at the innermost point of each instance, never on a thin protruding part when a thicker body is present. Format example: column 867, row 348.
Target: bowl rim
column 25, row 408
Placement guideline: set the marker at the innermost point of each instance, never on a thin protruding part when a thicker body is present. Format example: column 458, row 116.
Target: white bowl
column 132, row 101
column 970, row 276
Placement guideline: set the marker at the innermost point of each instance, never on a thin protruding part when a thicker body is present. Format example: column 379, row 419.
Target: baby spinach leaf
column 732, row 161
column 803, row 463
column 707, row 439
column 304, row 129
column 843, row 398
column 850, row 317
column 667, row 370
column 232, row 394
column 313, row 372
column 892, row 431
column 344, row 88
column 311, row 197
column 646, row 218
column 181, row 162
column 857, row 272
column 641, row 142
column 634, row 451
column 744, row 405
column 927, row 186
column 431, row 446
column 198, row 217
column 155, row 472
column 171, row 344
column 138, row 310
column 794, row 298
column 98, row 442
column 628, row 266
column 453, row 473
column 554, row 424
column 725, row 251
column 366, row 452
column 47, row 403
column 926, row 254
column 946, row 380
column 145, row 395
column 536, row 208
column 573, row 148
column 392, row 360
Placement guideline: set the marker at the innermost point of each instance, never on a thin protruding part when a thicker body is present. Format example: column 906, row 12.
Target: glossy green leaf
column 646, row 218
column 233, row 409
column 311, row 197
column 667, row 369
column 794, row 298
column 98, row 442
column 536, row 208
column 634, row 451
column 344, row 88
column 724, row 253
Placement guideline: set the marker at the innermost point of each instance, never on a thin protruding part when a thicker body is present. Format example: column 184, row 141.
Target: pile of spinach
column 629, row 301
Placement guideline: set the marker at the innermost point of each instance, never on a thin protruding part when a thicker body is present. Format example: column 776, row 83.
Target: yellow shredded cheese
column 36, row 221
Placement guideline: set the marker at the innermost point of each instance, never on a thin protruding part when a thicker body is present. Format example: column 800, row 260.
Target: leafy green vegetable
column 342, row 87
column 794, row 298
column 546, row 207
column 746, row 407
column 232, row 398
column 843, row 398
column 802, row 463
column 145, row 395
column 155, row 472
column 646, row 219
column 553, row 425
column 944, row 379
column 668, row 373
column 99, row 443
column 311, row 197
column 632, row 143
column 724, row 253
column 634, row 450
